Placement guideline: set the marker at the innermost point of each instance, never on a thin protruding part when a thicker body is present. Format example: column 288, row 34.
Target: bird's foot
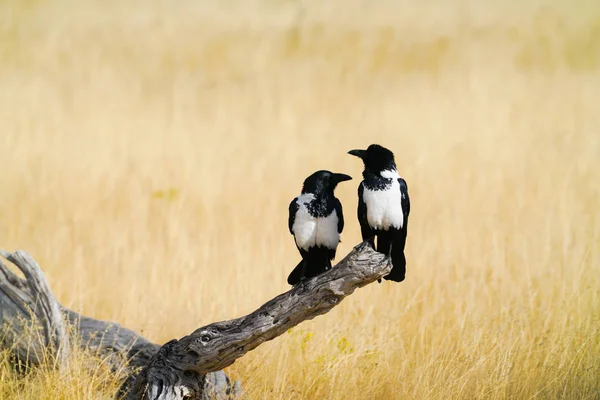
column 366, row 243
column 301, row 283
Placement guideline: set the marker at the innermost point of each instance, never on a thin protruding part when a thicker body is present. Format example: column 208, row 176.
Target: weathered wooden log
column 172, row 373
column 44, row 308
column 32, row 326
column 189, row 368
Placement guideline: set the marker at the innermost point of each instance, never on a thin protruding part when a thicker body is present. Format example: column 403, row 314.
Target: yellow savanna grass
column 149, row 151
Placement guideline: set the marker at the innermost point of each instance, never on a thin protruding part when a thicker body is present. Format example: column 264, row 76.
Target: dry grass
column 149, row 150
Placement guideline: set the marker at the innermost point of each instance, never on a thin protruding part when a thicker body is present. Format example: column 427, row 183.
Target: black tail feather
column 297, row 273
column 314, row 262
column 398, row 272
column 391, row 244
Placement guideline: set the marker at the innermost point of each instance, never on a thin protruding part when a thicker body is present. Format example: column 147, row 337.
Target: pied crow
column 316, row 221
column 383, row 206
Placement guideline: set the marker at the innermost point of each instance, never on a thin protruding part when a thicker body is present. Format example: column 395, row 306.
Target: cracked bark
column 188, row 368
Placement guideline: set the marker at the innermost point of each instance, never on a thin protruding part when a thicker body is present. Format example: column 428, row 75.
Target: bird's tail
column 398, row 272
column 297, row 273
column 317, row 264
column 313, row 264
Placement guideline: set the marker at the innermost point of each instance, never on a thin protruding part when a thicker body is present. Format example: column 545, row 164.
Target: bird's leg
column 388, row 253
column 371, row 242
column 302, row 282
column 303, row 276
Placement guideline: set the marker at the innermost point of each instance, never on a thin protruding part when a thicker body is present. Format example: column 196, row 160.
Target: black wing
column 292, row 214
column 340, row 214
column 398, row 272
column 365, row 229
column 405, row 201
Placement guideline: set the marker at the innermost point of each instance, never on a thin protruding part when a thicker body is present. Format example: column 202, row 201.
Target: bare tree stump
column 187, row 368
column 44, row 308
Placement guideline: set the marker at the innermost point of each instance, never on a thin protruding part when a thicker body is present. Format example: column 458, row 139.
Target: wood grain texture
column 188, row 368
column 43, row 306
column 169, row 375
column 33, row 325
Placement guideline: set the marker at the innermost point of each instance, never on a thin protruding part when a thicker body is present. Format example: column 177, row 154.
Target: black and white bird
column 383, row 206
column 316, row 221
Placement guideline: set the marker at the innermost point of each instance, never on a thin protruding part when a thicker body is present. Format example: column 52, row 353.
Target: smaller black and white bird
column 316, row 220
column 383, row 206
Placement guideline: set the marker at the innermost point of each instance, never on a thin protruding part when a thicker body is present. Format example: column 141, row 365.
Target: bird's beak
column 358, row 153
column 341, row 178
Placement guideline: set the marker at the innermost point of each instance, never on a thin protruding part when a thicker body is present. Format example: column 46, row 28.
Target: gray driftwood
column 44, row 309
column 188, row 368
column 32, row 325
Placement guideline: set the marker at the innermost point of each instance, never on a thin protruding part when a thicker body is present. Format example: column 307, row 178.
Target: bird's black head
column 323, row 181
column 376, row 158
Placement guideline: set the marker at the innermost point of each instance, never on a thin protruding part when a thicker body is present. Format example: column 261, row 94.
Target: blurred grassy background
column 149, row 151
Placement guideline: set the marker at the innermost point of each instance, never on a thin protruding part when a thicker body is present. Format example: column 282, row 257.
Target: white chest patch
column 384, row 207
column 310, row 231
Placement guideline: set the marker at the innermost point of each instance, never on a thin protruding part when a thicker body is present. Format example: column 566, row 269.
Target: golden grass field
column 149, row 151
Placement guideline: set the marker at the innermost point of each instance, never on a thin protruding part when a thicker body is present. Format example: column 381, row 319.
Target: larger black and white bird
column 383, row 206
column 316, row 221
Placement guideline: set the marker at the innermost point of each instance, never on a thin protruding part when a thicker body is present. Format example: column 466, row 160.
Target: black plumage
column 384, row 207
column 316, row 220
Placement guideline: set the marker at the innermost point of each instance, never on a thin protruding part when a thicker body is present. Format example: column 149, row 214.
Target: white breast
column 327, row 231
column 384, row 207
column 310, row 231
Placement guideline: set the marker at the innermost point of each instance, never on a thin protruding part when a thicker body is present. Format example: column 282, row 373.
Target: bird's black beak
column 358, row 153
column 341, row 178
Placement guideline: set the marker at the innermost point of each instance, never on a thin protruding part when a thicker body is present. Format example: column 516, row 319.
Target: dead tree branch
column 46, row 309
column 173, row 369
column 191, row 366
column 32, row 327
